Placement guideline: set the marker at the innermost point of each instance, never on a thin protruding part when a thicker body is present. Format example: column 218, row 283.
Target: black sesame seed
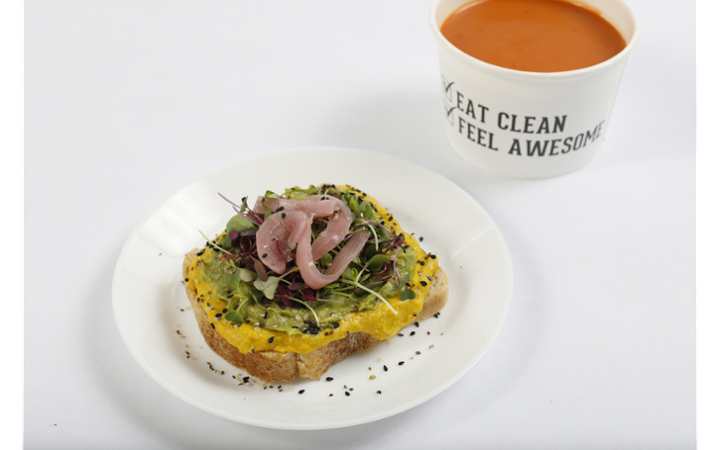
column 379, row 392
column 187, row 279
column 422, row 263
column 421, row 238
column 385, row 368
column 284, row 215
column 401, row 363
column 218, row 315
column 230, row 296
column 417, row 324
column 224, row 310
column 412, row 334
column 271, row 340
column 423, row 282
column 433, row 256
column 347, row 394
column 264, row 255
column 301, row 391
column 265, row 316
column 212, row 325
column 329, row 379
column 400, row 334
column 280, row 209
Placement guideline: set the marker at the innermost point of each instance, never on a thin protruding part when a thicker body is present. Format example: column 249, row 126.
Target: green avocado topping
column 258, row 296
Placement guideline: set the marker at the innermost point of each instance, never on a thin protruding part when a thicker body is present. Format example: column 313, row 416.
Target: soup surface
column 532, row 35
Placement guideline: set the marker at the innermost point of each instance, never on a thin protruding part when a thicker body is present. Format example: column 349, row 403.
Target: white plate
column 148, row 297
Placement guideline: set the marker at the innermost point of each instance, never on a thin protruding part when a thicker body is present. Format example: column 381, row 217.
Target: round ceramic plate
column 158, row 327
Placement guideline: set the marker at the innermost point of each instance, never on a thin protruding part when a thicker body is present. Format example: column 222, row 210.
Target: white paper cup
column 529, row 124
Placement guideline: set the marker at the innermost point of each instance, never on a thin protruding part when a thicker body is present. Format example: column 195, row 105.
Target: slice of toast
column 274, row 366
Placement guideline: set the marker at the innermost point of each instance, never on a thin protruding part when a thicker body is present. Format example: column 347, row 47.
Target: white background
column 127, row 101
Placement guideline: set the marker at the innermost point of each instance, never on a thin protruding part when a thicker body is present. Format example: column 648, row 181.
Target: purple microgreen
column 251, row 217
column 307, row 293
column 231, row 202
column 260, row 270
column 233, row 234
column 296, row 286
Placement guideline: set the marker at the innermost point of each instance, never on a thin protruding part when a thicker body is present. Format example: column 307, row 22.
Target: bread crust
column 271, row 366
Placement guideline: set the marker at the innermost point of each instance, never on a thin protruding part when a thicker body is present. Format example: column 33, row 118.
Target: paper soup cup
column 529, row 124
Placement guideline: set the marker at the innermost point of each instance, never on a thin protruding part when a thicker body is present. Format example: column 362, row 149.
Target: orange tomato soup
column 532, row 35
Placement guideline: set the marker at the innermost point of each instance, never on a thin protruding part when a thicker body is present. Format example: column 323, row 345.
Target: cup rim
column 503, row 71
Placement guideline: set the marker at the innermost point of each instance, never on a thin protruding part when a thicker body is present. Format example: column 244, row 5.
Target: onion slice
column 276, row 238
column 337, row 227
column 321, row 209
column 310, row 273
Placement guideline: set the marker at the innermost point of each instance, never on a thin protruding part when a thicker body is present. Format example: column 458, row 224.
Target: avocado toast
column 304, row 279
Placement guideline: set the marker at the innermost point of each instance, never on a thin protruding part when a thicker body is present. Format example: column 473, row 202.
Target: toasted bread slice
column 275, row 366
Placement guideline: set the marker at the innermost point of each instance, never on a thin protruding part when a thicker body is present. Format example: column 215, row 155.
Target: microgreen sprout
column 372, row 228
column 317, row 319
column 356, row 284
